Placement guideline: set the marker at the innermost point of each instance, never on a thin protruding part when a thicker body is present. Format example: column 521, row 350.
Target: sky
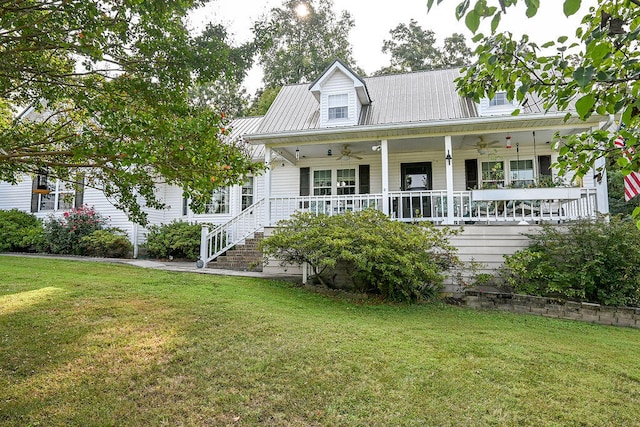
column 374, row 18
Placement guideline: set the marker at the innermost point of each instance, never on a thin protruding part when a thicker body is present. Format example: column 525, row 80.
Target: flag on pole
column 631, row 181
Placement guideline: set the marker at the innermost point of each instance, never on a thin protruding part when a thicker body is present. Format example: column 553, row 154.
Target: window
column 322, row 183
column 219, row 201
column 247, row 193
column 346, row 181
column 500, row 98
column 52, row 195
column 338, row 106
column 492, row 174
column 521, row 173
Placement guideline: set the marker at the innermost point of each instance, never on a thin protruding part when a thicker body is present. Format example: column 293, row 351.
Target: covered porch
column 471, row 172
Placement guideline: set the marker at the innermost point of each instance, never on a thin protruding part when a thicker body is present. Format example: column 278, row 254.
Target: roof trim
column 414, row 129
column 359, row 83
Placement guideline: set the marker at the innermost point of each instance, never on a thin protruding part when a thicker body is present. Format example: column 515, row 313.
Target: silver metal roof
column 400, row 98
column 245, row 126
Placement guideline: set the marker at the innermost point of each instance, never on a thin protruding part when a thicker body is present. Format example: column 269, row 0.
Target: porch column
column 600, row 182
column 385, row 176
column 267, row 187
column 449, row 179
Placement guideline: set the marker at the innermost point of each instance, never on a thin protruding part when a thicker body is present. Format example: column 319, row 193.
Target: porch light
column 448, row 157
column 376, row 148
column 509, row 142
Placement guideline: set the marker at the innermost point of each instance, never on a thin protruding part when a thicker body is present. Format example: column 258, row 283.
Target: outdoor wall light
column 376, row 148
column 448, row 158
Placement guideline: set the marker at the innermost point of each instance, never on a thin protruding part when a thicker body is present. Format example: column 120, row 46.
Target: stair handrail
column 223, row 237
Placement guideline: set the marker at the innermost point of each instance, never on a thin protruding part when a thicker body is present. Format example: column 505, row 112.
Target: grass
column 98, row 344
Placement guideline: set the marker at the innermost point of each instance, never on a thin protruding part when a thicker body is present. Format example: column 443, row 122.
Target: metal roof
column 400, row 98
column 244, row 126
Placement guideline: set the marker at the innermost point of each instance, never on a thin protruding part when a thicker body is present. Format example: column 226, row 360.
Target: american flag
column 631, row 181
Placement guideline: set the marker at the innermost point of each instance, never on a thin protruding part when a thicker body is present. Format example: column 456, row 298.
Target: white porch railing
column 284, row 207
column 505, row 205
column 217, row 241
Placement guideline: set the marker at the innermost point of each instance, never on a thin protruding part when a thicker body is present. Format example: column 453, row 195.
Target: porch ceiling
column 424, row 135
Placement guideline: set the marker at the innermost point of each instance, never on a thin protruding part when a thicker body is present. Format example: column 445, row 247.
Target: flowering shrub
column 64, row 235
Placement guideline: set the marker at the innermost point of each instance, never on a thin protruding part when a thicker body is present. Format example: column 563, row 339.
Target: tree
column 598, row 74
column 109, row 84
column 263, row 100
column 413, row 49
column 300, row 45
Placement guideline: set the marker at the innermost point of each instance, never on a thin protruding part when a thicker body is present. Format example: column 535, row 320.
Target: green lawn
column 98, row 344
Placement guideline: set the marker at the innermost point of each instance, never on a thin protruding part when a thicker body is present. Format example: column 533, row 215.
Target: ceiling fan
column 347, row 154
column 483, row 146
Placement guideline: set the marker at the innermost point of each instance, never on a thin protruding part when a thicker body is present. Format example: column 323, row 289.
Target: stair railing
column 223, row 237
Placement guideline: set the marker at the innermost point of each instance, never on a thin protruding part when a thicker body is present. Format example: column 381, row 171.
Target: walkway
column 182, row 267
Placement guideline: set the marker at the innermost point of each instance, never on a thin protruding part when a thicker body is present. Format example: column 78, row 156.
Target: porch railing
column 509, row 205
column 283, row 207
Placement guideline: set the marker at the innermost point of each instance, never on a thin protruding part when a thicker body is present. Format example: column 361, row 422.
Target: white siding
column 16, row 196
column 336, row 84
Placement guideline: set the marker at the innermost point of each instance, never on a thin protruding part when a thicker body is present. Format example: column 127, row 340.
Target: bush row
column 84, row 231
column 80, row 231
column 592, row 261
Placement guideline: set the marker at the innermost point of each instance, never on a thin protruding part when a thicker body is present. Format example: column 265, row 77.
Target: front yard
column 99, row 344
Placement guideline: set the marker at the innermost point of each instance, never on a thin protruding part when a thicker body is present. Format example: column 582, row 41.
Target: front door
column 416, row 177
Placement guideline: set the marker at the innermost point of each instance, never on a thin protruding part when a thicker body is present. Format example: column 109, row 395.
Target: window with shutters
column 51, row 195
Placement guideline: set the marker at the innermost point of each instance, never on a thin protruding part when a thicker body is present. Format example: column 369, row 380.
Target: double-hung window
column 521, row 173
column 247, row 193
column 322, row 182
column 219, row 201
column 338, row 106
column 492, row 174
column 346, row 181
column 52, row 195
column 500, row 98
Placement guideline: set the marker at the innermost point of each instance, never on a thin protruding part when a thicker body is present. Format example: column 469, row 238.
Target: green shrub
column 594, row 261
column 177, row 239
column 109, row 243
column 19, row 231
column 63, row 235
column 401, row 262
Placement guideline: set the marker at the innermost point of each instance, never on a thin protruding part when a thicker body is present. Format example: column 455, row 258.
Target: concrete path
column 184, row 267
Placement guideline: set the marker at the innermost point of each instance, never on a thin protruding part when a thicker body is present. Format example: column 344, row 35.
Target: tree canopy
column 301, row 43
column 107, row 83
column 596, row 70
column 413, row 48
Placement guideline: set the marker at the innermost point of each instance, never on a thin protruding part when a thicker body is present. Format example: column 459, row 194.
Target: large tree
column 597, row 74
column 303, row 38
column 108, row 85
column 413, row 48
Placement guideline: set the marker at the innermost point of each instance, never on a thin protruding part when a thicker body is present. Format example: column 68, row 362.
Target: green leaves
column 584, row 75
column 584, row 106
column 570, row 7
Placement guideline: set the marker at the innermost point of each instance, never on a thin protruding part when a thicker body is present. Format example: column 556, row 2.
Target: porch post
column 385, row 176
column 600, row 182
column 449, row 179
column 267, row 187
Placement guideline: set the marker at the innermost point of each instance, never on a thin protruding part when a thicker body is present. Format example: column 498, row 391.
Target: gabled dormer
column 341, row 94
column 498, row 105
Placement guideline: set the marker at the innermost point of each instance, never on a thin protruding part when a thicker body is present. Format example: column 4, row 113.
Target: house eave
column 424, row 129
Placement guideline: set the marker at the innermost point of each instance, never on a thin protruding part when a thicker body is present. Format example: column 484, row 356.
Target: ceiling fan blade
column 356, row 157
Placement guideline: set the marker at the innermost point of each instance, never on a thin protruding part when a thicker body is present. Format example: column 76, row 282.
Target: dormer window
column 338, row 106
column 500, row 98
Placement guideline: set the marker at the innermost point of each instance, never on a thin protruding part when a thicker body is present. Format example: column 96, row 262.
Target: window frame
column 338, row 107
column 245, row 197
column 58, row 190
column 499, row 99
column 488, row 181
column 223, row 206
